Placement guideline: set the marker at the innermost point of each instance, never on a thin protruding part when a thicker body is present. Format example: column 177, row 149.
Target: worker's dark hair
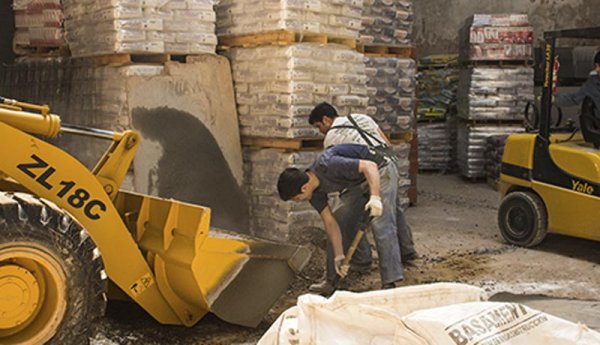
column 290, row 183
column 597, row 58
column 321, row 110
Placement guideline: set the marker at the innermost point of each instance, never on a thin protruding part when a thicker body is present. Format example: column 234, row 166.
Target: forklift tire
column 523, row 219
column 52, row 279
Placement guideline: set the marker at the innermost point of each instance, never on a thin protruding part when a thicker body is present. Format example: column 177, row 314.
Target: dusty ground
column 454, row 226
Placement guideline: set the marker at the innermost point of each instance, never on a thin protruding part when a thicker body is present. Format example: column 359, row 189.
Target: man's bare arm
column 371, row 172
column 333, row 231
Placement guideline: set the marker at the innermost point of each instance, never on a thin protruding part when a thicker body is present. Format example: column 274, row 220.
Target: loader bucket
column 200, row 270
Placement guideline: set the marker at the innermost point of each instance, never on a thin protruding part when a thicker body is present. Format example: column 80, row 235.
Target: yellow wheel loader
column 67, row 234
column 550, row 177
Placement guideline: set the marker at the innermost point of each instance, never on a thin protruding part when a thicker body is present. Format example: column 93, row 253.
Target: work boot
column 391, row 285
column 409, row 257
column 324, row 288
column 360, row 268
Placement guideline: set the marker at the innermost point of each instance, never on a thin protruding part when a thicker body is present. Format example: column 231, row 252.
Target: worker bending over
column 348, row 167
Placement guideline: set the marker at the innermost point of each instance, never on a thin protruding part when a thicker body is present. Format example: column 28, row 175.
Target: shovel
column 362, row 229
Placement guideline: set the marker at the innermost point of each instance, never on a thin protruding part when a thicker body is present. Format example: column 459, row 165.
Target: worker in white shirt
column 361, row 129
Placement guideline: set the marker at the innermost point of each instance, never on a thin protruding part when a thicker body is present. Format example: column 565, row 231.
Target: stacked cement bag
column 277, row 87
column 472, row 143
column 331, row 17
column 140, row 27
column 39, row 23
column 437, row 85
column 391, row 83
column 436, row 146
column 494, row 37
column 402, row 150
column 495, row 93
column 387, row 22
column 271, row 217
column 493, row 155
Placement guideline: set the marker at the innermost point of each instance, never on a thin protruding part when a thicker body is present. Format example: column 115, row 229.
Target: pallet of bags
column 493, row 156
column 387, row 22
column 271, row 217
column 391, row 83
column 140, row 27
column 472, row 143
column 495, row 93
column 330, row 17
column 402, row 151
column 38, row 27
column 435, row 146
column 496, row 37
column 437, row 87
column 277, row 87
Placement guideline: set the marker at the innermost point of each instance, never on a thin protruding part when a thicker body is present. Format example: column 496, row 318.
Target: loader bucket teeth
column 200, row 270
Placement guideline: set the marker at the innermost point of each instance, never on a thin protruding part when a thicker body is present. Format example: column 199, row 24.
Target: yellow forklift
column 550, row 177
column 70, row 240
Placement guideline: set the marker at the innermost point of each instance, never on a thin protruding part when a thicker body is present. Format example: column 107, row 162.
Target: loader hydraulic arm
column 110, row 170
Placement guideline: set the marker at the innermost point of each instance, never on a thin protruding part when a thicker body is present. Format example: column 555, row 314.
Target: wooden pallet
column 398, row 138
column 304, row 144
column 281, row 37
column 381, row 50
column 155, row 59
column 41, row 51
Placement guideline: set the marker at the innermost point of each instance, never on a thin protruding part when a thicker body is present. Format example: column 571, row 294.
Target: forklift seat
column 590, row 122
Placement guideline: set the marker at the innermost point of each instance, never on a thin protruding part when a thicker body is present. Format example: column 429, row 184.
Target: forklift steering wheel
column 532, row 124
column 560, row 117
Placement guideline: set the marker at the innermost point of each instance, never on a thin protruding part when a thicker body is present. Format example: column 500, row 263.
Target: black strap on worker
column 381, row 153
column 364, row 134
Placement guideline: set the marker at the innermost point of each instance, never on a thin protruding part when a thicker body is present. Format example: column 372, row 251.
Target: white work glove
column 374, row 206
column 340, row 268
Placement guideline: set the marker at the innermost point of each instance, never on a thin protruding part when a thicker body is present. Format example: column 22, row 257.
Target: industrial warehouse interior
column 299, row 172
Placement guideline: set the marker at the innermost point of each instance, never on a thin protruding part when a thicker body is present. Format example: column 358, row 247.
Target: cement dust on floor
column 455, row 231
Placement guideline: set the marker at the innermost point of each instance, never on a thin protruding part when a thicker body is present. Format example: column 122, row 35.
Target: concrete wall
column 7, row 27
column 438, row 21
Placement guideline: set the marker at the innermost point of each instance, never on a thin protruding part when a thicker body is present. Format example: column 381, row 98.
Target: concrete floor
column 454, row 217
column 454, row 226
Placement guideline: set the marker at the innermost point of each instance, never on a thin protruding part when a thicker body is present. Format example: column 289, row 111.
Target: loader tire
column 52, row 280
column 523, row 219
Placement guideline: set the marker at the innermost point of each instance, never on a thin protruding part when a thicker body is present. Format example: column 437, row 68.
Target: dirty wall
column 438, row 21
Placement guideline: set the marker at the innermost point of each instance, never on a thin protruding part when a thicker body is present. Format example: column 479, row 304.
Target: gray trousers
column 348, row 211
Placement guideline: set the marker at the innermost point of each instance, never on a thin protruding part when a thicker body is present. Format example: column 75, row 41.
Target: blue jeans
column 349, row 210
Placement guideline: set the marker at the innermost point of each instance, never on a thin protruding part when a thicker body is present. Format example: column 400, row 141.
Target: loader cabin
column 550, row 177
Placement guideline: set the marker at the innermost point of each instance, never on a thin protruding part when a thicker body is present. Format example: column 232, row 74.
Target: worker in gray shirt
column 348, row 167
column 590, row 89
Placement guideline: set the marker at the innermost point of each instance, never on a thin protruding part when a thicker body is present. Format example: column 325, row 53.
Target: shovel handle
column 353, row 246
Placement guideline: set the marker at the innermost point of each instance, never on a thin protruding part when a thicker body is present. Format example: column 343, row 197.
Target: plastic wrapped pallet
column 495, row 93
column 497, row 37
column 387, row 22
column 277, row 87
column 437, row 86
column 493, row 155
column 140, row 27
column 436, row 146
column 273, row 218
column 337, row 18
column 39, row 23
column 472, row 142
column 391, row 83
column 402, row 150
